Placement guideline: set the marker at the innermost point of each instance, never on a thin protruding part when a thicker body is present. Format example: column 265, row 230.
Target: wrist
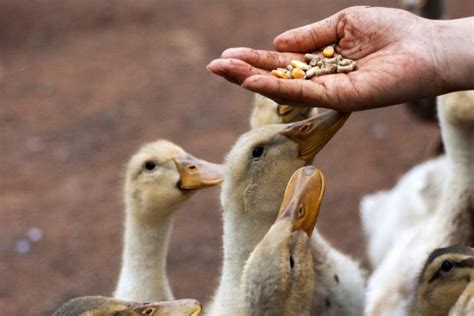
column 453, row 45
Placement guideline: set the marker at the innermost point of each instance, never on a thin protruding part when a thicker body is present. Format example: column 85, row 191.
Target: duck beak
column 185, row 307
column 290, row 113
column 312, row 134
column 195, row 173
column 302, row 200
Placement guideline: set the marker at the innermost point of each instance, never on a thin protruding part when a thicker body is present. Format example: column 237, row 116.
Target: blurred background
column 83, row 84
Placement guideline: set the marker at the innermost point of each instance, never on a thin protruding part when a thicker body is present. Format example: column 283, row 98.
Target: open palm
column 395, row 61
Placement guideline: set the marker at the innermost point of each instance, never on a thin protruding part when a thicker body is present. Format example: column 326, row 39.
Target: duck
column 446, row 276
column 388, row 214
column 266, row 111
column 107, row 306
column 288, row 273
column 278, row 277
column 159, row 179
column 391, row 286
column 257, row 169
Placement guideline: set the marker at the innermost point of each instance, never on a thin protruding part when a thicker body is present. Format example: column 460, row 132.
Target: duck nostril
column 306, row 127
column 301, row 211
column 292, row 262
column 149, row 311
column 192, row 167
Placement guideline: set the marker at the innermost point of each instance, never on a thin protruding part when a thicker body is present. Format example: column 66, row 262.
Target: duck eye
column 149, row 165
column 292, row 262
column 446, row 266
column 257, row 151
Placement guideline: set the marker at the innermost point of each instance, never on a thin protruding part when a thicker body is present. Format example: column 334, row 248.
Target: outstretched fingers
column 263, row 59
column 234, row 70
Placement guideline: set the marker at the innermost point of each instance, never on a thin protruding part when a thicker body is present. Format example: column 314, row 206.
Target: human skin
column 400, row 57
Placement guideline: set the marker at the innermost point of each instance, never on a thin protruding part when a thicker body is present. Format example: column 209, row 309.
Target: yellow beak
column 314, row 133
column 302, row 200
column 195, row 173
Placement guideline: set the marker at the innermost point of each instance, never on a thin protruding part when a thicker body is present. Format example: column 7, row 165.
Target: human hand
column 400, row 57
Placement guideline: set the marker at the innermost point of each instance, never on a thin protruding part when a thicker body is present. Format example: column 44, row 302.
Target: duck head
column 279, row 275
column 261, row 162
column 266, row 111
column 444, row 277
column 161, row 175
column 104, row 306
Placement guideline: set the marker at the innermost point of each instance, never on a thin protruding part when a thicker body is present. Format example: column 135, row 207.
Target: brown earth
column 85, row 83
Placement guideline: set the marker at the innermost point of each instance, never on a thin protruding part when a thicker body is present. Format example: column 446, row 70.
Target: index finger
column 263, row 59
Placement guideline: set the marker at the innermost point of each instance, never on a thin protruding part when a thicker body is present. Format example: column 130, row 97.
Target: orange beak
column 314, row 133
column 195, row 173
column 302, row 200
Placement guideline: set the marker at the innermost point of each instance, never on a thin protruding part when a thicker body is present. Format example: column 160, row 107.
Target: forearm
column 453, row 41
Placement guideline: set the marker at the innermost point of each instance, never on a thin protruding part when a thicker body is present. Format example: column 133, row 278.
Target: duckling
column 160, row 177
column 278, row 278
column 257, row 170
column 387, row 215
column 266, row 111
column 290, row 274
column 443, row 279
column 105, row 306
column 391, row 287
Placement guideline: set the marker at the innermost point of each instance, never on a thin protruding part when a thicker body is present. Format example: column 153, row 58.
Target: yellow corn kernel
column 281, row 73
column 328, row 52
column 297, row 73
column 299, row 64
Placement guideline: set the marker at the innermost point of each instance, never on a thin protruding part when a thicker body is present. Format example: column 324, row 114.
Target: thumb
column 312, row 37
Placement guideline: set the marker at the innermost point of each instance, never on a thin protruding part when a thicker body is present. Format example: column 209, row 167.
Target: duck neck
column 143, row 273
column 242, row 232
column 457, row 199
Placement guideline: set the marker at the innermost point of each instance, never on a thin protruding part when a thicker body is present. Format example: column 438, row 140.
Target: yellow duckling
column 278, row 278
column 105, row 306
column 160, row 177
column 258, row 168
column 292, row 273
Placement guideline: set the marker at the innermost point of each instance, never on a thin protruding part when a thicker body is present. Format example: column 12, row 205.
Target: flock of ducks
column 419, row 234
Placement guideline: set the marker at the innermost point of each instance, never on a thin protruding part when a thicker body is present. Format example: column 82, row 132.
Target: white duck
column 387, row 215
column 391, row 287
column 257, row 170
column 160, row 177
column 444, row 283
column 266, row 111
column 106, row 306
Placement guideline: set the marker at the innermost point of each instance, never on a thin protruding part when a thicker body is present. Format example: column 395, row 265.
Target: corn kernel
column 328, row 52
column 281, row 73
column 299, row 64
column 297, row 73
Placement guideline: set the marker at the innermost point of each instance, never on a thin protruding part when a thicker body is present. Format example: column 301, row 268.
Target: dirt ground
column 84, row 83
